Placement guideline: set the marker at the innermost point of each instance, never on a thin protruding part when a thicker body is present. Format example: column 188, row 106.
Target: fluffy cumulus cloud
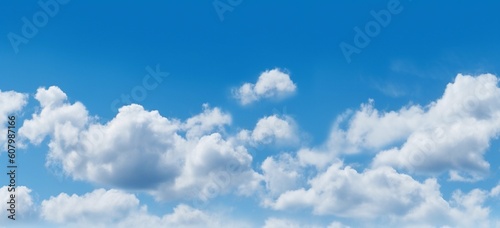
column 25, row 208
column 450, row 134
column 105, row 208
column 271, row 84
column 382, row 195
column 282, row 174
column 173, row 159
column 455, row 131
column 206, row 122
column 54, row 113
column 274, row 129
column 11, row 103
column 140, row 149
column 369, row 193
column 99, row 205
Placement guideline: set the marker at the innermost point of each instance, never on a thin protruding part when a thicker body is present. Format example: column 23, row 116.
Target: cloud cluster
column 196, row 158
column 385, row 196
column 140, row 149
column 450, row 134
column 455, row 132
column 271, row 84
column 106, row 208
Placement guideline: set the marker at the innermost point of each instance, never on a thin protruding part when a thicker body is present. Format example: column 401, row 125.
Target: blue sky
column 321, row 138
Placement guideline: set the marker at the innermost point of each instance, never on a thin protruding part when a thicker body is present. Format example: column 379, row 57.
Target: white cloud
column 345, row 192
column 273, row 222
column 272, row 130
column 281, row 174
column 371, row 129
column 384, row 196
column 454, row 133
column 11, row 102
column 105, row 208
column 206, row 122
column 495, row 191
column 271, row 84
column 98, row 206
column 195, row 158
column 24, row 204
column 55, row 112
column 337, row 225
column 140, row 149
column 450, row 134
column 280, row 223
column 183, row 216
column 214, row 166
